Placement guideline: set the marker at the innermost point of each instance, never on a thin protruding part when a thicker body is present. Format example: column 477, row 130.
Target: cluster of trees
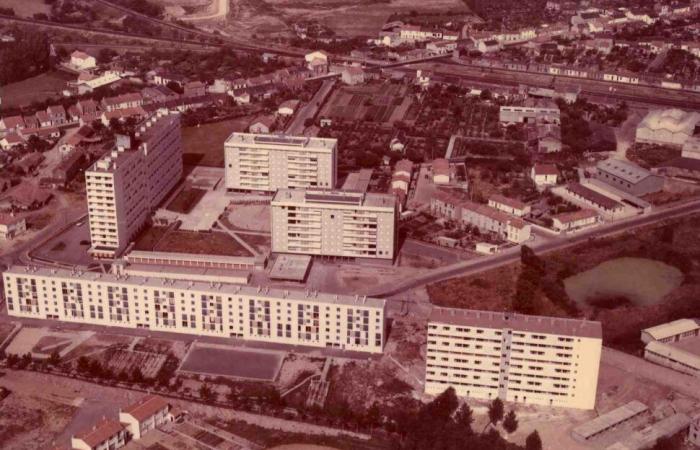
column 26, row 57
column 144, row 7
column 68, row 11
column 444, row 424
column 534, row 281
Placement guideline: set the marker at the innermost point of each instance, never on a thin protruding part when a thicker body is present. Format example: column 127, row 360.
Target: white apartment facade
column 126, row 185
column 262, row 162
column 517, row 358
column 293, row 317
column 335, row 224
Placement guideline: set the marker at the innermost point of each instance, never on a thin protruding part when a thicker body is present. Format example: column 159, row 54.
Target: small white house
column 11, row 226
column 509, row 205
column 288, row 108
column 262, row 125
column 544, row 175
column 441, row 171
column 486, row 249
column 82, row 61
column 575, row 220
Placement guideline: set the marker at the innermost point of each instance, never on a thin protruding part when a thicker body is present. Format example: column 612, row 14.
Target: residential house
column 262, row 125
column 509, row 205
column 576, row 220
column 195, row 89
column 123, row 114
column 145, row 415
column 11, row 140
column 82, row 61
column 353, row 75
column 413, row 33
column 548, row 138
column 544, row 175
column 124, row 101
column 163, row 77
column 12, row 123
column 441, row 171
column 44, row 119
column 105, row 435
column 288, row 108
column 11, row 226
column 398, row 142
column 57, row 115
column 441, row 47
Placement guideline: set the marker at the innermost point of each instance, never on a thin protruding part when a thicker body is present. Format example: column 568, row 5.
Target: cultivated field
column 386, row 103
column 204, row 145
column 38, row 88
column 126, row 361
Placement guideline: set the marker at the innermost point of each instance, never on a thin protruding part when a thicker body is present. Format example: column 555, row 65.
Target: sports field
column 231, row 362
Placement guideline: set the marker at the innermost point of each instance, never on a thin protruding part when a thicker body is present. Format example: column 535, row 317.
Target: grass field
column 186, row 200
column 38, row 88
column 215, row 243
column 233, row 363
column 204, row 144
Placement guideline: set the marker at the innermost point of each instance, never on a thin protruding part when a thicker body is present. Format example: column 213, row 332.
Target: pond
column 642, row 281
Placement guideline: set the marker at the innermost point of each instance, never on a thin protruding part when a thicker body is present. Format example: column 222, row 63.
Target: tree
column 309, row 121
column 533, row 441
column 137, row 375
column 206, row 393
column 83, row 364
column 495, row 412
column 55, row 358
column 175, row 87
column 464, row 418
column 510, row 422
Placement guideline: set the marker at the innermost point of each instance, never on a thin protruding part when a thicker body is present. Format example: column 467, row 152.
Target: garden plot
column 385, row 103
column 119, row 360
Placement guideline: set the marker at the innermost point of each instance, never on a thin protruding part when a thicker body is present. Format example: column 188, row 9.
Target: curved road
column 221, row 11
column 482, row 264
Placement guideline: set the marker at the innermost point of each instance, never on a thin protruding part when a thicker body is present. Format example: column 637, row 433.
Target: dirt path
column 220, row 12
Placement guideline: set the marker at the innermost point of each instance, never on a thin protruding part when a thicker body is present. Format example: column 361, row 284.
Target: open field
column 385, row 103
column 347, row 18
column 126, row 361
column 202, row 243
column 231, row 362
column 38, row 88
column 27, row 8
column 204, row 145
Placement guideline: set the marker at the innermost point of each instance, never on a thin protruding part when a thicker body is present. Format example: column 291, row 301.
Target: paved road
column 511, row 255
column 296, row 127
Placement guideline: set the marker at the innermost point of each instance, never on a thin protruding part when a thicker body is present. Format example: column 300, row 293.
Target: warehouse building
column 610, row 420
column 518, row 358
column 628, row 177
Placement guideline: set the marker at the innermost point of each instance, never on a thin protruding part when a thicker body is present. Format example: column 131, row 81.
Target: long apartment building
column 517, row 358
column 125, row 186
column 294, row 317
column 263, row 162
column 335, row 223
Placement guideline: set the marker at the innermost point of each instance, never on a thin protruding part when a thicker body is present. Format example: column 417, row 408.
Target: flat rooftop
column 358, row 181
column 519, row 322
column 228, row 289
column 183, row 272
column 291, row 267
column 280, row 141
column 319, row 197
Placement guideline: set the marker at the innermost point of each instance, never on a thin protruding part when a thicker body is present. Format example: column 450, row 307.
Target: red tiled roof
column 146, row 407
column 80, row 55
column 546, row 169
column 441, row 167
column 13, row 121
column 575, row 216
column 405, row 165
column 101, row 432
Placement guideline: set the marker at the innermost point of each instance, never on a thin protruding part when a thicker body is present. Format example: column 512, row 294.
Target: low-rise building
column 145, row 415
column 610, row 420
column 594, row 199
column 11, row 226
column 441, row 171
column 672, row 331
column 352, row 75
column 628, row 177
column 673, row 357
column 667, row 127
column 532, row 111
column 82, row 61
column 575, row 220
column 107, row 434
column 544, row 175
column 288, row 108
column 509, row 205
column 517, row 358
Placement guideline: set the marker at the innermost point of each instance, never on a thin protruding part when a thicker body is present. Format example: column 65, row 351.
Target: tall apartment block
column 125, row 186
column 263, row 162
column 335, row 223
column 518, row 358
column 293, row 317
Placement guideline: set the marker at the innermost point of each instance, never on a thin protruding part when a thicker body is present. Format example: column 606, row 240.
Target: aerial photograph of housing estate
column 350, row 224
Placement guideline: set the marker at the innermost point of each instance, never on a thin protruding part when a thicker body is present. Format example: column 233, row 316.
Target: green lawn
column 38, row 88
column 204, row 145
